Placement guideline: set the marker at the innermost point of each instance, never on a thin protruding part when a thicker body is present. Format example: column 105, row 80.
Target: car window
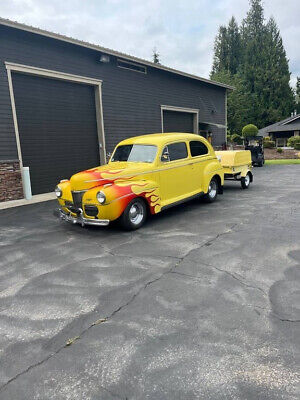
column 174, row 151
column 135, row 153
column 198, row 148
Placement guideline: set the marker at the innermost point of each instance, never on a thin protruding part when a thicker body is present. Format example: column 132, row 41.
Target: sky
column 183, row 32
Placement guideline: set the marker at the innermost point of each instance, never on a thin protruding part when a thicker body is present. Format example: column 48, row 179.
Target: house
column 281, row 131
column 65, row 104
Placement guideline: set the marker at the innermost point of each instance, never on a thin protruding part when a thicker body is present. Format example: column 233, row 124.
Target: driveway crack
column 112, row 314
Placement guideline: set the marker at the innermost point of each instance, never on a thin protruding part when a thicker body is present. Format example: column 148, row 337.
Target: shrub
column 229, row 138
column 293, row 141
column 297, row 146
column 279, row 150
column 269, row 144
column 237, row 138
column 249, row 130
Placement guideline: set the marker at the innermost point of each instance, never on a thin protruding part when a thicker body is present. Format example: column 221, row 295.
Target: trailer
column 237, row 165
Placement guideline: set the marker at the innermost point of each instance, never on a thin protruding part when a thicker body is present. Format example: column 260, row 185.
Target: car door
column 200, row 157
column 174, row 173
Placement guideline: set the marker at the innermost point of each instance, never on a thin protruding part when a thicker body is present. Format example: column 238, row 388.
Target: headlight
column 58, row 191
column 101, row 197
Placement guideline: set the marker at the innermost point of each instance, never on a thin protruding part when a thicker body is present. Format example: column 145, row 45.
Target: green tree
column 298, row 95
column 253, row 59
column 249, row 130
column 155, row 56
column 237, row 101
column 227, row 49
column 277, row 97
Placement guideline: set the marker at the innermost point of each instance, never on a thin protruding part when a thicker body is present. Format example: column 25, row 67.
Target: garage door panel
column 57, row 128
column 175, row 121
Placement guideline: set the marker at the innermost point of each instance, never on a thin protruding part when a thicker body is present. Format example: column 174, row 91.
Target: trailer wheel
column 245, row 181
column 212, row 192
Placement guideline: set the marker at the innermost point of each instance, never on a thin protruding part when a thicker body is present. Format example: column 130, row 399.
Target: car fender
column 119, row 193
column 211, row 169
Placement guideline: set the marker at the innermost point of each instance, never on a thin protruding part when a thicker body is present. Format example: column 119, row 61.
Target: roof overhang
column 77, row 42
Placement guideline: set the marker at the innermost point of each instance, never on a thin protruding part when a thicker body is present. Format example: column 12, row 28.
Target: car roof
column 160, row 138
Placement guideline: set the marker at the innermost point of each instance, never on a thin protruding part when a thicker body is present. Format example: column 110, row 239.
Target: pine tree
column 277, row 95
column 155, row 56
column 253, row 58
column 234, row 46
column 237, row 101
column 298, row 95
column 227, row 49
column 220, row 61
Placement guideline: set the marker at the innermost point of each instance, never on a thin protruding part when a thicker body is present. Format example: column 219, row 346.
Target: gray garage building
column 64, row 104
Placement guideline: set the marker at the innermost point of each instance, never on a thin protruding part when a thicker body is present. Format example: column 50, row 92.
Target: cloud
column 182, row 31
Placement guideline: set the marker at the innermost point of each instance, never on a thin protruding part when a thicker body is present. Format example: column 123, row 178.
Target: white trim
column 180, row 109
column 81, row 43
column 28, row 69
column 226, row 118
column 291, row 120
column 15, row 120
column 52, row 74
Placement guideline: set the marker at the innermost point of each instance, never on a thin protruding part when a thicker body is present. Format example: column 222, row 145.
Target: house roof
column 286, row 125
column 105, row 50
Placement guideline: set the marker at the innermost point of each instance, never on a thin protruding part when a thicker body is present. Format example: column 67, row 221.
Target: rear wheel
column 134, row 215
column 245, row 181
column 212, row 193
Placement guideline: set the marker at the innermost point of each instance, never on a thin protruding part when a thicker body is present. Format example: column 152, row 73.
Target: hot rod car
column 145, row 174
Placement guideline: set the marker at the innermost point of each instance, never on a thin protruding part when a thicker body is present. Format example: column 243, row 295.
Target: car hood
column 108, row 173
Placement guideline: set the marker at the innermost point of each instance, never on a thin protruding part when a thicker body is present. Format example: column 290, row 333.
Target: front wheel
column 212, row 193
column 134, row 215
column 245, row 181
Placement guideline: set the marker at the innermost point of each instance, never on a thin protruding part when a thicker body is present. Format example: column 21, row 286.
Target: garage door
column 57, row 128
column 175, row 121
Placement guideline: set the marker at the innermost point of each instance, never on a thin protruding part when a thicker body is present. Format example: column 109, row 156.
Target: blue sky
column 182, row 31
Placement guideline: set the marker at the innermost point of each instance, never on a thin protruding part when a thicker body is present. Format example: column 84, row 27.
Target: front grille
column 92, row 211
column 77, row 198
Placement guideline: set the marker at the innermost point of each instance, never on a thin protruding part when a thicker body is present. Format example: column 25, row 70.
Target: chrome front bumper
column 79, row 219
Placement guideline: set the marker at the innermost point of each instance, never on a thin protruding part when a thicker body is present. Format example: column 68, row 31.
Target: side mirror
column 165, row 156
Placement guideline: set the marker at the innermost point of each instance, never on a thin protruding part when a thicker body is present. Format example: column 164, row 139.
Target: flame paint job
column 123, row 181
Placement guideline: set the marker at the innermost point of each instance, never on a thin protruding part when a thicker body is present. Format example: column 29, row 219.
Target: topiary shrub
column 249, row 130
column 237, row 138
column 279, row 150
column 269, row 144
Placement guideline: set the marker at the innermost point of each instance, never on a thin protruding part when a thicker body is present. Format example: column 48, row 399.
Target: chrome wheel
column 212, row 189
column 136, row 213
column 247, row 180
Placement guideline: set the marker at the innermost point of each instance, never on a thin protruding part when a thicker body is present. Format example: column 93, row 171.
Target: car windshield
column 135, row 153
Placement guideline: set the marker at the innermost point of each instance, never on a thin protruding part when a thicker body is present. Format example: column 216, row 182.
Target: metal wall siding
column 131, row 100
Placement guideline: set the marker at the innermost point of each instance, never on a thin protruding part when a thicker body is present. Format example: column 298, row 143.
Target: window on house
column 198, row 148
column 132, row 66
column 174, row 151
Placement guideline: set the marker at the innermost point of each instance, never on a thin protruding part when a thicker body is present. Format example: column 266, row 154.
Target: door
column 174, row 173
column 177, row 121
column 57, row 128
column 200, row 157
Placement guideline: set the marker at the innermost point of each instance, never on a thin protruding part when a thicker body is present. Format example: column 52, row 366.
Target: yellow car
column 146, row 174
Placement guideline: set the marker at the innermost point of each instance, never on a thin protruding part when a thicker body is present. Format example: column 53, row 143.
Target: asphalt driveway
column 201, row 303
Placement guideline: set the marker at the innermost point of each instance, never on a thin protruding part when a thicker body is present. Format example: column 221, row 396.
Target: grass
column 280, row 162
